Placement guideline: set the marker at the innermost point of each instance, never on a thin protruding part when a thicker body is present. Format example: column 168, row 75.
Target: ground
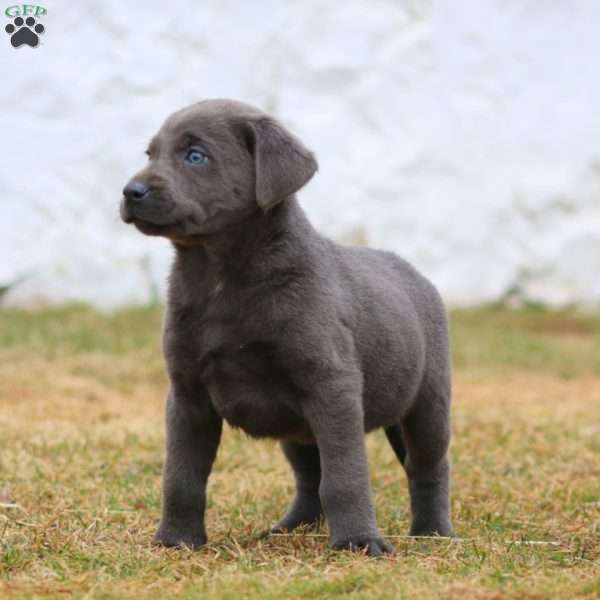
column 81, row 438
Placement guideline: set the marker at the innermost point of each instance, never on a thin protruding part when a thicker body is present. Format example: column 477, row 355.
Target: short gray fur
column 286, row 334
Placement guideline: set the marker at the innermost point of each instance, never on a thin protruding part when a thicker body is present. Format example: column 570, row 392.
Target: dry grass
column 81, row 436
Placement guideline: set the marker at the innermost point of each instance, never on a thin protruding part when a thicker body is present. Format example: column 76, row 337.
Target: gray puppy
column 286, row 334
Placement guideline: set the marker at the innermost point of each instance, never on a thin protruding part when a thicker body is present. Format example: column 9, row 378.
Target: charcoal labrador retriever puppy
column 286, row 334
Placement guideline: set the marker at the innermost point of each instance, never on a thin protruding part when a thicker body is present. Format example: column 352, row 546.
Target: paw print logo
column 24, row 32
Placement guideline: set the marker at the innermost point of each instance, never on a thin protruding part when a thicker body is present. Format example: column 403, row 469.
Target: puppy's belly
column 252, row 398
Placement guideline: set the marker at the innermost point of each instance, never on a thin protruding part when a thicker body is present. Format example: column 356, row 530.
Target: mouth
column 126, row 214
column 142, row 224
column 150, row 228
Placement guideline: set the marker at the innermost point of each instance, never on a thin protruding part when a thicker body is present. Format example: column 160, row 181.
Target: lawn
column 81, row 438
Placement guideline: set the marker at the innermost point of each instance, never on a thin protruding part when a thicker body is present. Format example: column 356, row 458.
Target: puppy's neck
column 261, row 240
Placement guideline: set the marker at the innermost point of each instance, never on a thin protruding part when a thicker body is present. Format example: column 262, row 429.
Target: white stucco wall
column 463, row 135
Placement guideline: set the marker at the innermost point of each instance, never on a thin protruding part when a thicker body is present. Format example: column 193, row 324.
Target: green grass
column 76, row 328
column 563, row 343
column 81, row 438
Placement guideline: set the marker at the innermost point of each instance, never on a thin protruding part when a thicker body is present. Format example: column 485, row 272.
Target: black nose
column 135, row 190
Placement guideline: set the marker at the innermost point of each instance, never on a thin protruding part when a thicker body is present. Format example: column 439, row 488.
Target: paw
column 305, row 513
column 431, row 530
column 173, row 539
column 369, row 544
column 291, row 522
column 24, row 32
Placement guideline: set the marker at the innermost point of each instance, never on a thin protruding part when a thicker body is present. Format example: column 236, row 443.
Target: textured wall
column 463, row 135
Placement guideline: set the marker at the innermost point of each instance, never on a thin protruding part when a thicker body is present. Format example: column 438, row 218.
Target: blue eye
column 196, row 157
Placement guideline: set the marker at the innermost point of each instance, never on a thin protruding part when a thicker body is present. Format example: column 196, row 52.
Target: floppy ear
column 281, row 161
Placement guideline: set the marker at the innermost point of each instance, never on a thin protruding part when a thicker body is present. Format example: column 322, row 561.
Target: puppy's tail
column 394, row 436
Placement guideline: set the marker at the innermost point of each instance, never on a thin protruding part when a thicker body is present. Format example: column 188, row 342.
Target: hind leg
column 306, row 507
column 426, row 436
column 394, row 436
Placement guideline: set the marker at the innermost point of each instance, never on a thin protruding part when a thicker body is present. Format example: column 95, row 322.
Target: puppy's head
column 210, row 166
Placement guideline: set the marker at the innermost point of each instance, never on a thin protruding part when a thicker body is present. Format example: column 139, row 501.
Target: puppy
column 286, row 334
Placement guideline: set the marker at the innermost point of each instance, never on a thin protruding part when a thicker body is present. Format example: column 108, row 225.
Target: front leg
column 193, row 434
column 335, row 416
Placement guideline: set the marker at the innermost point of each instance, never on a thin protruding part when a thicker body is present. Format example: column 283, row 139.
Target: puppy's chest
column 222, row 327
column 236, row 359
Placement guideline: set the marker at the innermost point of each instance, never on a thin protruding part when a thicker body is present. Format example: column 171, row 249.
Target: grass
column 81, row 438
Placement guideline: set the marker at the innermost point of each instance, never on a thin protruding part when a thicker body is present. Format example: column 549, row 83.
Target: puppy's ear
column 282, row 163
